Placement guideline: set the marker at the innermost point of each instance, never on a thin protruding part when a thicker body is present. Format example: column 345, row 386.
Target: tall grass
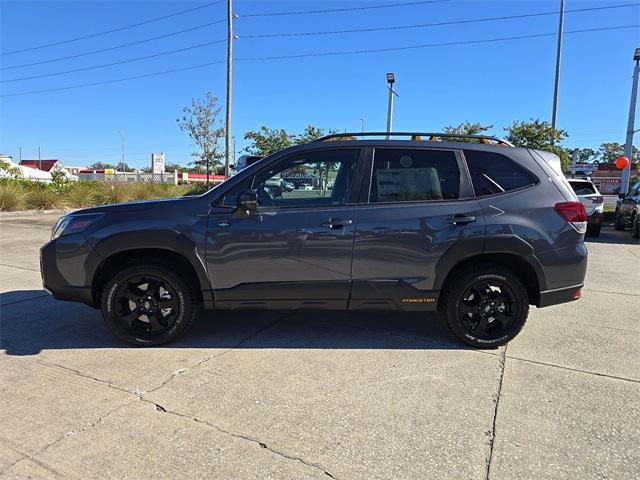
column 21, row 194
column 12, row 197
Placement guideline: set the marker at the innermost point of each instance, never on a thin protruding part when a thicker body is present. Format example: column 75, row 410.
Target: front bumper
column 66, row 264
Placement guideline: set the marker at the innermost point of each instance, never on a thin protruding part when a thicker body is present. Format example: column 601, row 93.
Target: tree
column 200, row 120
column 7, row 170
column 608, row 152
column 467, row 128
column 586, row 155
column 101, row 166
column 267, row 141
column 539, row 135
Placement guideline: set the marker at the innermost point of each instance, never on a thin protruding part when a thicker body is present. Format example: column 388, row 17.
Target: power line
column 118, row 29
column 321, row 54
column 160, row 54
column 108, row 49
column 351, row 9
column 306, row 33
column 104, row 82
column 437, row 24
column 429, row 45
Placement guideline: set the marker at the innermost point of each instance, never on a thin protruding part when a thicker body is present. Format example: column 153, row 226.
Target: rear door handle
column 460, row 219
column 336, row 223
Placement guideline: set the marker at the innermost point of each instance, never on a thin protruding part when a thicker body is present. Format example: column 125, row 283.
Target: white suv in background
column 593, row 203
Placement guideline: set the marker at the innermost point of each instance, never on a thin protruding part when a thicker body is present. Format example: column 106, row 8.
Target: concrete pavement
column 313, row 395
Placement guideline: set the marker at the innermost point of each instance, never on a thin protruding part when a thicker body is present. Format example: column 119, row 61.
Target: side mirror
column 621, row 196
column 247, row 202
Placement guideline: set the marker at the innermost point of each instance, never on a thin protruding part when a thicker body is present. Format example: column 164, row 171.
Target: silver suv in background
column 593, row 203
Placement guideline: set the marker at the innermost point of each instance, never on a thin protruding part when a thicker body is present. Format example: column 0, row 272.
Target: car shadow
column 32, row 321
column 609, row 235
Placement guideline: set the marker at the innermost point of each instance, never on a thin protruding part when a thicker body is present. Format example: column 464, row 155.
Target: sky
column 494, row 83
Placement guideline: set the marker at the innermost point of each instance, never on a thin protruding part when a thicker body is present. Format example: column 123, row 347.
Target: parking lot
column 319, row 395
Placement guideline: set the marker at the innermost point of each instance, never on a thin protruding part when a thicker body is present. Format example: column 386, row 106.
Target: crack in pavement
column 492, row 433
column 33, row 457
column 24, row 300
column 217, row 355
column 261, row 444
column 611, row 293
column 20, row 268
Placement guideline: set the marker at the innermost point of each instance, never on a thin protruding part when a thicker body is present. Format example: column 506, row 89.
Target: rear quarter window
column 493, row 173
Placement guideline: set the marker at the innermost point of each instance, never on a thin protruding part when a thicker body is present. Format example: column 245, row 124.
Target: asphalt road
column 366, row 396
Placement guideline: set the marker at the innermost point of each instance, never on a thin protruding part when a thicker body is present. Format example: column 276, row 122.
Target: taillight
column 597, row 199
column 574, row 213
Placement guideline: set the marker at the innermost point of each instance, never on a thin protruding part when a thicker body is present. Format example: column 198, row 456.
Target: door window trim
column 465, row 191
column 353, row 193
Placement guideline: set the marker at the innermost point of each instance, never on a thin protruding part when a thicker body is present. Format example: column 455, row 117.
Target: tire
column 594, row 231
column 165, row 309
column 635, row 226
column 466, row 293
column 618, row 225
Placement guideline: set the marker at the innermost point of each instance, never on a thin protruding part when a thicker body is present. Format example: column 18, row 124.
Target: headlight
column 74, row 224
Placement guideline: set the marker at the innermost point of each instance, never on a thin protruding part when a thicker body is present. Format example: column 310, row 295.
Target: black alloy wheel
column 487, row 309
column 147, row 304
column 485, row 306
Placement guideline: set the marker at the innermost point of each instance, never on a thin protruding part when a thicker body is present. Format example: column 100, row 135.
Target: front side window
column 317, row 178
column 494, row 173
column 403, row 175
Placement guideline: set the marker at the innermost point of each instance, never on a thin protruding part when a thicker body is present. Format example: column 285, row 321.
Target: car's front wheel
column 635, row 226
column 146, row 304
column 485, row 306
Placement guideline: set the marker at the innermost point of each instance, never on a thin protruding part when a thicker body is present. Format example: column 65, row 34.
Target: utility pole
column 556, row 86
column 628, row 147
column 39, row 160
column 390, row 80
column 362, row 126
column 227, row 139
column 20, row 154
column 122, row 162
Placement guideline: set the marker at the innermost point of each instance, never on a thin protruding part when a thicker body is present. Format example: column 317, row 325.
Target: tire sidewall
column 113, row 322
column 522, row 309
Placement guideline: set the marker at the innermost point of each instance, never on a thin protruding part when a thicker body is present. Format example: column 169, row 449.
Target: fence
column 129, row 177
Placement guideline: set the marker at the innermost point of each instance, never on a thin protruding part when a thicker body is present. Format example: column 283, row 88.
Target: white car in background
column 593, row 203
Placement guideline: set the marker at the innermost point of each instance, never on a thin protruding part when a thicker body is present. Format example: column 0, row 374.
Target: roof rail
column 416, row 136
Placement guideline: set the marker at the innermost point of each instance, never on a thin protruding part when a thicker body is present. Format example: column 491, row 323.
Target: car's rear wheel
column 593, row 230
column 635, row 226
column 147, row 305
column 485, row 306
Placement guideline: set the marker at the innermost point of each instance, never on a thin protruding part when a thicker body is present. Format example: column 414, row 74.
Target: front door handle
column 336, row 223
column 460, row 219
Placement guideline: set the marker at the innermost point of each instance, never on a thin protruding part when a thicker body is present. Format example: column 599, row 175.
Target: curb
column 19, row 213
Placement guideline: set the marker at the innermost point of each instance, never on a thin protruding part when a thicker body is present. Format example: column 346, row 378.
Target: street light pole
column 556, row 86
column 390, row 80
column 122, row 150
column 628, row 147
column 227, row 139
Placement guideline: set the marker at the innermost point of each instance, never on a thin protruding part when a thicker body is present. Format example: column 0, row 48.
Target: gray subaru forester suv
column 467, row 226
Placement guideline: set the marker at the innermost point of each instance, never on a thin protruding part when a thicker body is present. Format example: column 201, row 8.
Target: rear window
column 582, row 188
column 493, row 173
column 405, row 175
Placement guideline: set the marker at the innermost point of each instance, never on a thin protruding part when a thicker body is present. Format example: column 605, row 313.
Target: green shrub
column 112, row 192
column 44, row 198
column 12, row 196
column 80, row 194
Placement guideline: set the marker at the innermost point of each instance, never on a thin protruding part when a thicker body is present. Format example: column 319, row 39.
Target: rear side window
column 403, row 175
column 494, row 173
column 582, row 188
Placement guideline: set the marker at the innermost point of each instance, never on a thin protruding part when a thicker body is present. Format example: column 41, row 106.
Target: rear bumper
column 55, row 282
column 560, row 295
